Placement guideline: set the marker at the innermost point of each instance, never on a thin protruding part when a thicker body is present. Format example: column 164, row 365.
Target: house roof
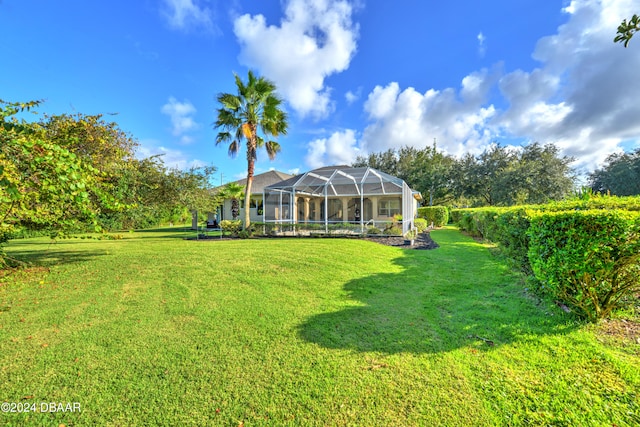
column 342, row 180
column 263, row 180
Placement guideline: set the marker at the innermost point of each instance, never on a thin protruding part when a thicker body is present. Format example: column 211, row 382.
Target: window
column 389, row 207
column 253, row 203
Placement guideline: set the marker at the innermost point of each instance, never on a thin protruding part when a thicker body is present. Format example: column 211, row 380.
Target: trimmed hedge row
column 438, row 215
column 588, row 258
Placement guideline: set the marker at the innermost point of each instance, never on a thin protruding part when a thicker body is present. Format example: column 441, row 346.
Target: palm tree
column 234, row 192
column 255, row 108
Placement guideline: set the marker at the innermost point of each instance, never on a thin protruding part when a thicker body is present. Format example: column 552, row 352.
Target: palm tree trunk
column 247, row 199
column 251, row 159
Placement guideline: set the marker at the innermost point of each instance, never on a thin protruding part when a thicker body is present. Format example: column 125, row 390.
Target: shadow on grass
column 48, row 258
column 444, row 299
column 163, row 233
column 167, row 230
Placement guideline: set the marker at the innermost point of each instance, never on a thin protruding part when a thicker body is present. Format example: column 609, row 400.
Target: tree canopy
column 42, row 184
column 69, row 173
column 619, row 176
column 499, row 176
column 426, row 170
column 505, row 176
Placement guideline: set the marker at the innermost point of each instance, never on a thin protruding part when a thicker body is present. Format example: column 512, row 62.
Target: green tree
column 627, row 29
column 386, row 161
column 482, row 177
column 504, row 176
column 426, row 170
column 158, row 194
column 96, row 142
column 540, row 175
column 43, row 185
column 619, row 176
column 253, row 111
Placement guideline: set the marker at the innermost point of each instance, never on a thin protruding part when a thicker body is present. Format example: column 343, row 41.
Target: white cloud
column 458, row 120
column 482, row 49
column 315, row 39
column 181, row 115
column 583, row 97
column 352, row 97
column 339, row 149
column 171, row 158
column 187, row 14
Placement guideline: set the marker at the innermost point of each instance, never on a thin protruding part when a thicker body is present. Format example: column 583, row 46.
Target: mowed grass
column 156, row 330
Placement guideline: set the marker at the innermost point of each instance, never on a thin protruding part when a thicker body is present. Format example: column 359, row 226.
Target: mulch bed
column 423, row 241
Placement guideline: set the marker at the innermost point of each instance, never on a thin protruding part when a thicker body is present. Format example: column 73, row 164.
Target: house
column 360, row 196
column 260, row 181
column 340, row 194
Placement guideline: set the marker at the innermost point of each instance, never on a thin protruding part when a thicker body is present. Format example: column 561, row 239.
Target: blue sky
column 358, row 76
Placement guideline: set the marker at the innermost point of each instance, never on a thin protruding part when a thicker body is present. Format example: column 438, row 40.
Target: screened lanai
column 361, row 196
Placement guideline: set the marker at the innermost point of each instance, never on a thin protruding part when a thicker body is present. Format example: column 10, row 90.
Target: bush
column 438, row 215
column 231, row 226
column 420, row 224
column 244, row 234
column 588, row 259
column 374, row 230
column 393, row 231
column 513, row 238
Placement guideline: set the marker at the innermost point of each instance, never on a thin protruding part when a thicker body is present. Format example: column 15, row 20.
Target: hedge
column 420, row 224
column 231, row 226
column 583, row 256
column 588, row 259
column 438, row 215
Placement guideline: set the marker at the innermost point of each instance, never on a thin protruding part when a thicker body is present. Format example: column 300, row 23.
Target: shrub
column 374, row 230
column 420, row 224
column 588, row 259
column 455, row 215
column 231, row 226
column 244, row 234
column 393, row 231
column 513, row 237
column 438, row 215
column 411, row 234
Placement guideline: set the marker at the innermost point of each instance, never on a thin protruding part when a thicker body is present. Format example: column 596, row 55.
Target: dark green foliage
column 619, row 176
column 588, row 259
column 436, row 215
column 501, row 176
column 244, row 234
column 627, row 29
column 512, row 226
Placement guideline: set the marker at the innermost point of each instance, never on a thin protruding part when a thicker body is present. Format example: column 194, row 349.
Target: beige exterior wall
column 255, row 217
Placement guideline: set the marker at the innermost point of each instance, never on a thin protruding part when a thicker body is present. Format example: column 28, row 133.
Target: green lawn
column 156, row 330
